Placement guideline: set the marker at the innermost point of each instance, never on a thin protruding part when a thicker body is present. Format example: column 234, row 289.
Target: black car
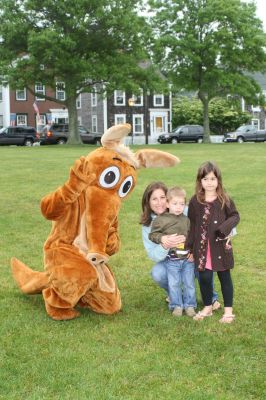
column 58, row 134
column 183, row 133
column 19, row 135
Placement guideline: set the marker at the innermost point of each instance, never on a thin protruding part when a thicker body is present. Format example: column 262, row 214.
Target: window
column 138, row 124
column 256, row 123
column 120, row 119
column 22, row 119
column 158, row 100
column 1, row 121
column 138, row 98
column 39, row 88
column 93, row 98
column 94, row 127
column 120, row 98
column 78, row 102
column 21, row 94
column 255, row 108
column 40, row 122
column 60, row 91
column 1, row 93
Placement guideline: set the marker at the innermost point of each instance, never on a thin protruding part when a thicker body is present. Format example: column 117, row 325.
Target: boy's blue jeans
column 159, row 275
column 181, row 283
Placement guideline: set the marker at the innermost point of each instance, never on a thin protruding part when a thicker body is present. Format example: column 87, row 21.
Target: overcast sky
column 261, row 11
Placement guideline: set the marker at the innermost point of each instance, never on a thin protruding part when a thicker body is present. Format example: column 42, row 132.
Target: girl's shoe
column 227, row 319
column 200, row 316
column 216, row 305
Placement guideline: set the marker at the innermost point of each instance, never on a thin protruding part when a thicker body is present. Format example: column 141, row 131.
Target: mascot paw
column 61, row 314
column 97, row 259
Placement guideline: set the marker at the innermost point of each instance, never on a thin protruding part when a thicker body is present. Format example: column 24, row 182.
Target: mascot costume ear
column 84, row 234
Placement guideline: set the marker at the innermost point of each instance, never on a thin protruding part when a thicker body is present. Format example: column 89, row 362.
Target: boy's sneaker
column 177, row 312
column 216, row 305
column 190, row 312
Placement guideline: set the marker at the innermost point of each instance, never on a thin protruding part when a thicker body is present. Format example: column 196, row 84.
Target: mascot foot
column 61, row 314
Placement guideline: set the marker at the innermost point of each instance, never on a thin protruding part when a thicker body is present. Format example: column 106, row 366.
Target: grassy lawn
column 143, row 352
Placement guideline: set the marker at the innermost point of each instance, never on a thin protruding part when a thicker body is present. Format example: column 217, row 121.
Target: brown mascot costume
column 84, row 231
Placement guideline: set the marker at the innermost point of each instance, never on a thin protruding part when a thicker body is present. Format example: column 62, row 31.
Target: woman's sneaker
column 177, row 312
column 190, row 312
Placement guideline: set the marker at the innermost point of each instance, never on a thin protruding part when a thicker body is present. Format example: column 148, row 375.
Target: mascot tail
column 29, row 281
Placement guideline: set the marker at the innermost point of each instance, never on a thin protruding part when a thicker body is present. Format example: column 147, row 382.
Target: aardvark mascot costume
column 84, row 231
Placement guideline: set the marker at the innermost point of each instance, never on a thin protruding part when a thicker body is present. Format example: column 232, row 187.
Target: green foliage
column 208, row 45
column 187, row 111
column 224, row 115
column 142, row 352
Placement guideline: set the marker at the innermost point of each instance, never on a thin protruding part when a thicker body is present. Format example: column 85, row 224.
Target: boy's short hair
column 175, row 191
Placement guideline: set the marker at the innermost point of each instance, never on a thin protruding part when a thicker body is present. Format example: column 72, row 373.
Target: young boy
column 180, row 271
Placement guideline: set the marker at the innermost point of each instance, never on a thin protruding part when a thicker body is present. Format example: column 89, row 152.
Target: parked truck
column 245, row 133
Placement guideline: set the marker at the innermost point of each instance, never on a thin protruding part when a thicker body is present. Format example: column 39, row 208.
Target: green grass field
column 142, row 353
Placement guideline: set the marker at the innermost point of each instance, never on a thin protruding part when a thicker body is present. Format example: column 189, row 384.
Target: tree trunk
column 74, row 136
column 206, row 123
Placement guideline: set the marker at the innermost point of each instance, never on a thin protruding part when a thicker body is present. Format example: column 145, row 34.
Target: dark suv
column 19, row 135
column 58, row 134
column 183, row 133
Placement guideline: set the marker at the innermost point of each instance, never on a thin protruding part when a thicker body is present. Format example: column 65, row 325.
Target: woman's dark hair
column 146, row 218
column 204, row 170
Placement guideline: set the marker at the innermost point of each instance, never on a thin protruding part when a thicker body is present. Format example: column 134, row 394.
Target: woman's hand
column 169, row 241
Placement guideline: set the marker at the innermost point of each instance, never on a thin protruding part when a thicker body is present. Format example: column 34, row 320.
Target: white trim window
column 78, row 102
column 120, row 98
column 158, row 100
column 21, row 94
column 1, row 93
column 40, row 121
column 138, row 99
column 39, row 88
column 22, row 119
column 120, row 119
column 138, row 127
column 60, row 93
column 256, row 123
column 94, row 98
column 255, row 108
column 94, row 124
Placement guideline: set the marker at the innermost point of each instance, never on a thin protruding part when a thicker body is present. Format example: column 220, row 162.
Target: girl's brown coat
column 221, row 222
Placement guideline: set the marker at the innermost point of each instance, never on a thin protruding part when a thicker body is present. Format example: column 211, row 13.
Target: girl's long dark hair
column 204, row 170
column 145, row 218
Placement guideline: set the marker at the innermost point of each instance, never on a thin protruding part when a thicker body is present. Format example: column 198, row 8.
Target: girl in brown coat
column 212, row 215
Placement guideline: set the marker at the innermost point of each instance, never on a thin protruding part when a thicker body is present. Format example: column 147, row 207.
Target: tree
column 224, row 115
column 208, row 46
column 78, row 42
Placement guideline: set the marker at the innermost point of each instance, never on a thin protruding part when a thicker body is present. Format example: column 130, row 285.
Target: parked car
column 89, row 137
column 19, row 135
column 58, row 134
column 183, row 133
column 245, row 133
